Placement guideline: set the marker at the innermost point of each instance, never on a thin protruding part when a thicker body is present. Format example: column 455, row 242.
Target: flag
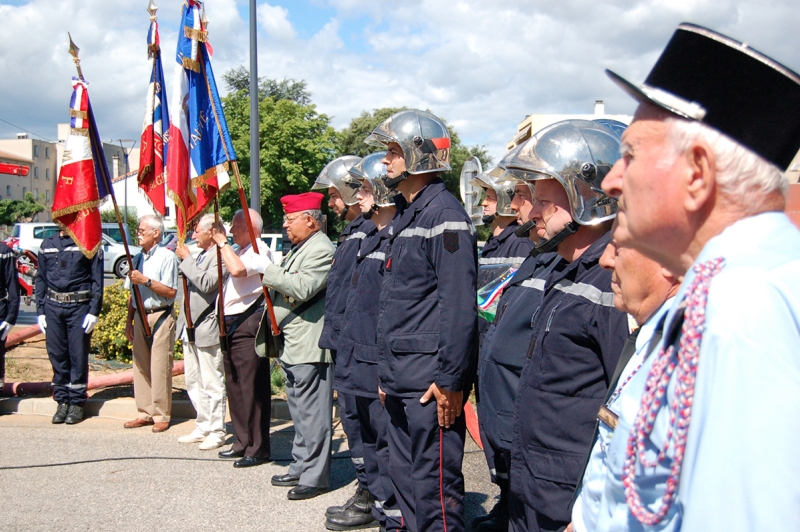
column 154, row 132
column 83, row 180
column 200, row 147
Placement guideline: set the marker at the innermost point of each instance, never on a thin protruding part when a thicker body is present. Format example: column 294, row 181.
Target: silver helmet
column 371, row 169
column 336, row 174
column 504, row 189
column 424, row 139
column 578, row 154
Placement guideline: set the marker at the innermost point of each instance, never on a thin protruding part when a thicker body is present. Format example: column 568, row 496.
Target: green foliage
column 238, row 80
column 277, row 381
column 110, row 216
column 295, row 144
column 12, row 211
column 108, row 339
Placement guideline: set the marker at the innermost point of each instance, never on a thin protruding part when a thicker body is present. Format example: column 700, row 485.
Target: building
column 40, row 156
column 533, row 123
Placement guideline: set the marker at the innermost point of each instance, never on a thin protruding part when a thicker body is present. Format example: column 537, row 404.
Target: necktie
column 682, row 364
column 628, row 351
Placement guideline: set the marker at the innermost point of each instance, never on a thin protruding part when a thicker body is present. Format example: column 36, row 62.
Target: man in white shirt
column 247, row 378
column 155, row 271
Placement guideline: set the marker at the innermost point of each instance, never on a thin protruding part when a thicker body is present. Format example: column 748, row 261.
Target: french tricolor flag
column 200, row 147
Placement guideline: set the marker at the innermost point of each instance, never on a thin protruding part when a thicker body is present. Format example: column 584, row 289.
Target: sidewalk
column 99, row 476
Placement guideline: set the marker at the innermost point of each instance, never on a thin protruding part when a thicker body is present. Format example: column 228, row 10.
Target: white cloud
column 482, row 65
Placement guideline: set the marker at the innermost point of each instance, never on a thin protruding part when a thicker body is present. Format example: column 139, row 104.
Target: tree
column 13, row 211
column 295, row 144
column 238, row 80
column 110, row 216
column 350, row 141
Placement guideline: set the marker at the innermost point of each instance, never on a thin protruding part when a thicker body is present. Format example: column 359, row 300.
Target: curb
column 122, row 407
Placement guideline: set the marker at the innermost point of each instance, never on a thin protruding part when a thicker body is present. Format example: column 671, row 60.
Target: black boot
column 500, row 507
column 61, row 414
column 498, row 518
column 355, row 515
column 338, row 509
column 74, row 415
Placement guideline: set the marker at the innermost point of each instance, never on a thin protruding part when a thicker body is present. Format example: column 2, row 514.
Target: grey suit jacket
column 203, row 291
column 301, row 275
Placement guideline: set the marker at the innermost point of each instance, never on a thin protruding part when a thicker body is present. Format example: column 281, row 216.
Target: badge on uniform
column 608, row 417
column 450, row 241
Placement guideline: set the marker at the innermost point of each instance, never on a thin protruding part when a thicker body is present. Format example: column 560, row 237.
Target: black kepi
column 705, row 76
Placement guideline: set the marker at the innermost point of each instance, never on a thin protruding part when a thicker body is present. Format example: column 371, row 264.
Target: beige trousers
column 152, row 368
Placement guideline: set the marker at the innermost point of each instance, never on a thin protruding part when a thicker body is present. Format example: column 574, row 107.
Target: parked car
column 114, row 259
column 112, row 230
column 275, row 243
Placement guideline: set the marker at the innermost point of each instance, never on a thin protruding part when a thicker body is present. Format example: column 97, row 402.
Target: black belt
column 159, row 309
column 69, row 297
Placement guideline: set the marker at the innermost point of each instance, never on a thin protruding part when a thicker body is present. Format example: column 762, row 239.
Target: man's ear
column 701, row 178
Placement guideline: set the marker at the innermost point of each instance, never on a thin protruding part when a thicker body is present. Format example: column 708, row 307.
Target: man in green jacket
column 298, row 292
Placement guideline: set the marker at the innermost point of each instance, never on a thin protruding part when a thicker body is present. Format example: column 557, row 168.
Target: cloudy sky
column 481, row 64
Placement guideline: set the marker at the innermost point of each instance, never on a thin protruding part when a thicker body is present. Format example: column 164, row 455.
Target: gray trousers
column 309, row 394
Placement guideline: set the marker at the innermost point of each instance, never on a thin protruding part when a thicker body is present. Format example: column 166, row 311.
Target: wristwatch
column 222, row 244
column 148, row 283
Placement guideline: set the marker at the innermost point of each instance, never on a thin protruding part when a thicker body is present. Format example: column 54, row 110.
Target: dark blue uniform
column 68, row 287
column 9, row 298
column 342, row 266
column 501, row 361
column 357, row 368
column 577, row 337
column 427, row 329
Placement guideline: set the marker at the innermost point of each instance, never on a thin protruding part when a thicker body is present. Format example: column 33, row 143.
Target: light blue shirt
column 742, row 460
column 587, row 506
column 160, row 264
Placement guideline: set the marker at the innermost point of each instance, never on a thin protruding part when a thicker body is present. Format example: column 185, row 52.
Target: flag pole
column 73, row 51
column 223, row 333
column 245, row 208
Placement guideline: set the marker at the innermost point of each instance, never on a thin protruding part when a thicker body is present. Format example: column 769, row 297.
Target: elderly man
column 576, row 334
column 247, row 379
column 643, row 289
column 202, row 356
column 298, row 290
column 155, row 271
column 713, row 445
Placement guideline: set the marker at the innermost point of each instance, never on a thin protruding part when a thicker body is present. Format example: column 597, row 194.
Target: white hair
column 154, row 222
column 255, row 219
column 206, row 221
column 316, row 214
column 742, row 176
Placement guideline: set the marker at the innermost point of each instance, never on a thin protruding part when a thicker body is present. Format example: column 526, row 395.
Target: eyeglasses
column 143, row 231
column 288, row 220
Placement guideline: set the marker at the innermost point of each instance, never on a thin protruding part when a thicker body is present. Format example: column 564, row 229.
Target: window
column 47, row 195
column 36, row 193
column 47, row 173
column 47, row 153
column 24, row 191
column 36, row 172
column 44, row 232
column 8, row 190
column 35, row 150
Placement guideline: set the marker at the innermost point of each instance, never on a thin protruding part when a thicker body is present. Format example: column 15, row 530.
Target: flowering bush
column 108, row 339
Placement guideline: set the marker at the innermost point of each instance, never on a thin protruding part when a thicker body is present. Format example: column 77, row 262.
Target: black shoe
column 61, row 414
column 230, row 453
column 498, row 521
column 358, row 498
column 299, row 492
column 285, row 480
column 350, row 519
column 74, row 414
column 249, row 461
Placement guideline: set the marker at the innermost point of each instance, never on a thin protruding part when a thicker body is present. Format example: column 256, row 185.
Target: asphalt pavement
column 99, row 476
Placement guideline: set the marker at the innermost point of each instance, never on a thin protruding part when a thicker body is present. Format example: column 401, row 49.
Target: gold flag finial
column 73, row 51
column 204, row 19
column 152, row 8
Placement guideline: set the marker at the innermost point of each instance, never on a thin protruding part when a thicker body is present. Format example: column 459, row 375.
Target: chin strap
column 546, row 246
column 524, row 230
column 488, row 219
column 372, row 210
column 392, row 183
column 343, row 216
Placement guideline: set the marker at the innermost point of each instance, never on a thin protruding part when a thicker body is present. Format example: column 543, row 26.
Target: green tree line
column 296, row 142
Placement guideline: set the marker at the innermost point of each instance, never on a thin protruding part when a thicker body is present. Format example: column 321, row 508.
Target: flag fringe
column 72, row 209
column 198, row 35
column 191, row 64
column 82, row 131
column 88, row 253
column 75, row 113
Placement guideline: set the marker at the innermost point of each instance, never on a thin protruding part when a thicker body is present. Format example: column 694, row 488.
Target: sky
column 483, row 65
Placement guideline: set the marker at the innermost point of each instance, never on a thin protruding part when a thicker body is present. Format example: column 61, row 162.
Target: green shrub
column 277, row 382
column 108, row 340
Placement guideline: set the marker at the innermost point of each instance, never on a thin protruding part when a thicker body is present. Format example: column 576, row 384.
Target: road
column 99, row 476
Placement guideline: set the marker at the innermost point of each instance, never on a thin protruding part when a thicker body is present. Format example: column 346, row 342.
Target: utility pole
column 255, row 160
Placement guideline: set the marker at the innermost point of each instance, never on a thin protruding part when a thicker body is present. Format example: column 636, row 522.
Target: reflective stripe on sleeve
column 437, row 230
column 587, row 291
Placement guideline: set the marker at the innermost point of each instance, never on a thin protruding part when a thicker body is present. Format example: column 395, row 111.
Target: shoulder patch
column 450, row 239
